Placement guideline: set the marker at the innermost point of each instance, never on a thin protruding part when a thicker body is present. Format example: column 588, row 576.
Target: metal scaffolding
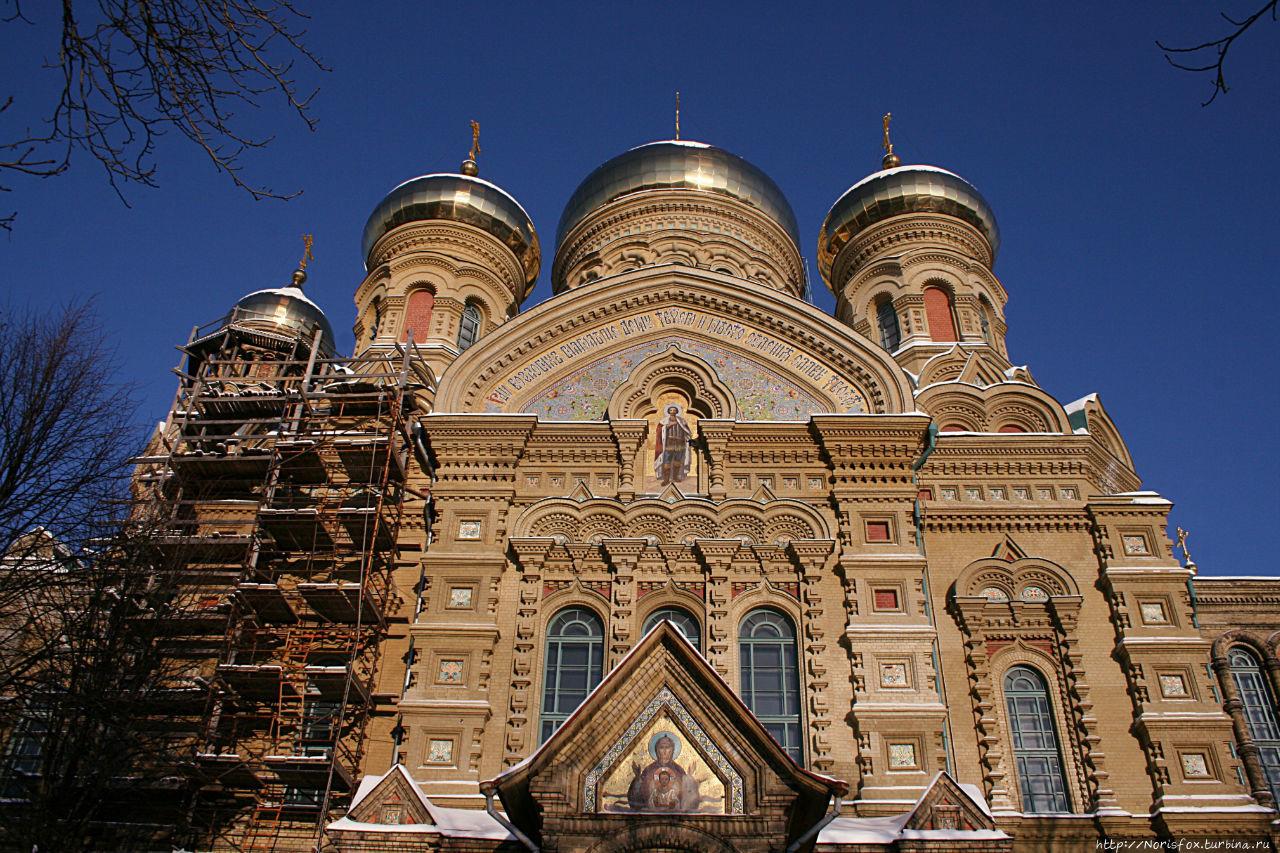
column 279, row 477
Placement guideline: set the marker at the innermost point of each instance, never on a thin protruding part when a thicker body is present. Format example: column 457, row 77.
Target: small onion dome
column 678, row 164
column 284, row 309
column 904, row 189
column 459, row 198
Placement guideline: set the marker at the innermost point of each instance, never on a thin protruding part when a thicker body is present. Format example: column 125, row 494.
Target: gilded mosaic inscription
column 762, row 393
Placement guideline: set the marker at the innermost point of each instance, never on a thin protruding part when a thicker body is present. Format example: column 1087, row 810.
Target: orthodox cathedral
column 675, row 560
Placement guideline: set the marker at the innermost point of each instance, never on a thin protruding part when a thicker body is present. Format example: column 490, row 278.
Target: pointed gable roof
column 395, row 792
column 948, row 816
column 662, row 672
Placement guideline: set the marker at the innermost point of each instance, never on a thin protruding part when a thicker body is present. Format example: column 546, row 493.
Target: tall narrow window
column 469, row 328
column 1259, row 713
column 24, row 753
column 984, row 317
column 684, row 621
column 1035, row 742
column 771, row 676
column 937, row 310
column 417, row 315
column 575, row 661
column 316, row 735
column 887, row 319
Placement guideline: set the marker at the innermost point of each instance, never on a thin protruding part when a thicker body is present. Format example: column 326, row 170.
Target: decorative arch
column 785, row 356
column 1259, row 755
column 572, row 521
column 1014, row 577
column 1012, row 608
column 709, row 397
column 1002, row 407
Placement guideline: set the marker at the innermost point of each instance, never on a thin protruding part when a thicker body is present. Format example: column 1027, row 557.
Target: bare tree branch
column 1217, row 48
column 133, row 70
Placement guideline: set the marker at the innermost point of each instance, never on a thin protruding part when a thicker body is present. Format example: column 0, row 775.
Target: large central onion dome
column 678, row 164
column 458, row 198
column 900, row 190
column 284, row 310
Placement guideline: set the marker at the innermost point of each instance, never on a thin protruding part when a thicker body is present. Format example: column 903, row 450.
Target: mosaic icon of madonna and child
column 670, row 782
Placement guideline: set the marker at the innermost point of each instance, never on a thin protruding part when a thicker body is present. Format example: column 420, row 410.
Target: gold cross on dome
column 306, row 251
column 1182, row 543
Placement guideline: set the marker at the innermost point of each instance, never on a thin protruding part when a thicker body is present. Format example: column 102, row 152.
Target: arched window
column 937, row 310
column 684, row 621
column 1259, row 713
column 984, row 317
column 1035, row 742
column 887, row 320
column 469, row 328
column 575, row 660
column 771, row 676
column 417, row 315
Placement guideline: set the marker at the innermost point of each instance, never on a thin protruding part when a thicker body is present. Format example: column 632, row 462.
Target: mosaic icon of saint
column 663, row 786
column 672, row 452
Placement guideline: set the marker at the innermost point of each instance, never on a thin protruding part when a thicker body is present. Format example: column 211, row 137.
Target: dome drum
column 652, row 228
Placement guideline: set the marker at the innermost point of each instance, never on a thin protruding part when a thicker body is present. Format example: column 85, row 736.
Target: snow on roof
column 919, row 167
column 863, row 830
column 687, row 143
column 455, row 823
column 468, row 823
column 472, row 178
column 1077, row 405
column 1143, row 497
column 292, row 291
column 975, row 794
column 887, row 830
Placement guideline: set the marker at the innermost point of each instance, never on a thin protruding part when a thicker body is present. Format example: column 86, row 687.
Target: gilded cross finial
column 677, row 115
column 890, row 160
column 475, row 140
column 1182, row 543
column 307, row 256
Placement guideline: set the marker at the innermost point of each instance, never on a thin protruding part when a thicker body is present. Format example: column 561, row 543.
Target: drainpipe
column 931, row 441
column 1191, row 590
column 489, row 791
column 817, row 827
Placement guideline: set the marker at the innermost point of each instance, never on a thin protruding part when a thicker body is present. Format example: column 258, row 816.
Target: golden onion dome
column 904, row 189
column 678, row 164
column 459, row 198
column 284, row 309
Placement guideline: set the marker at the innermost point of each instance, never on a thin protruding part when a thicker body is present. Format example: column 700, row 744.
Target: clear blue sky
column 1140, row 231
